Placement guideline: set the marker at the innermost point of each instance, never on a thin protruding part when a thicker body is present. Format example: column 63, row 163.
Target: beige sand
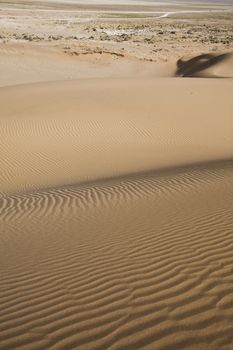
column 116, row 226
column 141, row 260
column 69, row 132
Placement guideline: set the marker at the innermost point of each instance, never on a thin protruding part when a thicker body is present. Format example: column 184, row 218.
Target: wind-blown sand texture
column 116, row 215
column 116, row 195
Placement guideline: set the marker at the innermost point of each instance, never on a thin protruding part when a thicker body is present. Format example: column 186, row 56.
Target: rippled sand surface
column 116, row 214
column 116, row 175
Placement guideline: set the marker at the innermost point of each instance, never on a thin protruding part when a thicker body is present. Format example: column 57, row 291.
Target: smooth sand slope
column 63, row 133
column 116, row 215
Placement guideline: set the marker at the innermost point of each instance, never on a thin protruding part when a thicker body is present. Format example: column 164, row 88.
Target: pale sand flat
column 24, row 64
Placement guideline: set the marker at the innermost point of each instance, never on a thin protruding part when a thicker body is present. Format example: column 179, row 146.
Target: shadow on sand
column 195, row 66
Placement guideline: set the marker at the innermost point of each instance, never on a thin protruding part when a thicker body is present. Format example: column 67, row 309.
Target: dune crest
column 76, row 130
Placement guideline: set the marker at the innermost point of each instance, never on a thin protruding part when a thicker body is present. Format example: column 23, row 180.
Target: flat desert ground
column 116, row 176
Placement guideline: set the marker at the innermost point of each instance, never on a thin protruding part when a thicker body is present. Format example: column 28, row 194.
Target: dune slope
column 63, row 133
column 135, row 263
column 116, row 215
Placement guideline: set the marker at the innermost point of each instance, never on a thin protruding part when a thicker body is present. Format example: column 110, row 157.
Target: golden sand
column 116, row 226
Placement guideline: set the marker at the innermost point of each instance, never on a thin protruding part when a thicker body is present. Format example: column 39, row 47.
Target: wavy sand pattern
column 116, row 175
column 116, row 215
column 123, row 264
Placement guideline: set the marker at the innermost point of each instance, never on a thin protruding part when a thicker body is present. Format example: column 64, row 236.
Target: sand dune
column 116, row 175
column 116, row 214
column 63, row 133
column 124, row 263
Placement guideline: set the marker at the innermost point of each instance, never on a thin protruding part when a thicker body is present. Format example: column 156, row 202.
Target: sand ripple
column 122, row 263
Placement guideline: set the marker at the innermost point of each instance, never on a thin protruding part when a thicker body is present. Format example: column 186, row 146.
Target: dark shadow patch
column 196, row 65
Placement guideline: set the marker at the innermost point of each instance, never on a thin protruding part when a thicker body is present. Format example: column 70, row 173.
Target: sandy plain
column 116, row 186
